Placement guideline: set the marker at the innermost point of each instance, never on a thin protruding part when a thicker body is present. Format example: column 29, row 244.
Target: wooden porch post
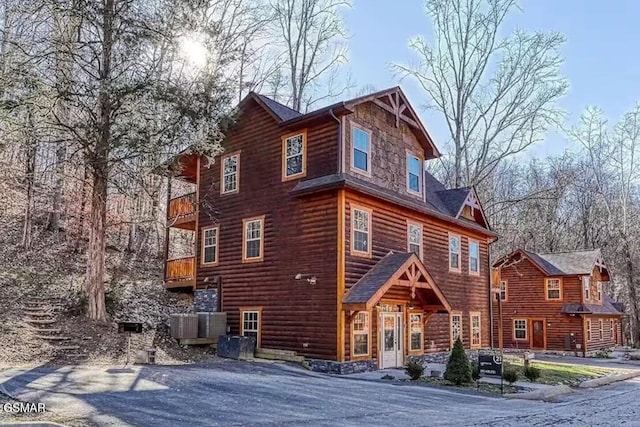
column 167, row 232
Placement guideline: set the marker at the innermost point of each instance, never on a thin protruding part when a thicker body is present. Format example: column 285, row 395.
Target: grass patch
column 560, row 373
column 484, row 387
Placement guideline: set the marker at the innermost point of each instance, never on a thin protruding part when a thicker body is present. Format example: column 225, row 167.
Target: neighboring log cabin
column 324, row 235
column 556, row 302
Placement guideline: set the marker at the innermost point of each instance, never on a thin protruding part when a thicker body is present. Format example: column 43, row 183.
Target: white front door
column 391, row 340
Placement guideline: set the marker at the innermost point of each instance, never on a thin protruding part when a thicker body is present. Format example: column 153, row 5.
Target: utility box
column 236, row 347
column 212, row 325
column 184, row 326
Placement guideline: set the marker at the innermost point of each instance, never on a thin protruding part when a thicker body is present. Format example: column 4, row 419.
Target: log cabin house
column 324, row 235
column 556, row 302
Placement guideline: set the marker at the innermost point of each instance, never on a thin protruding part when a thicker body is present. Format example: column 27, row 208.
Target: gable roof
column 608, row 307
column 283, row 112
column 576, row 263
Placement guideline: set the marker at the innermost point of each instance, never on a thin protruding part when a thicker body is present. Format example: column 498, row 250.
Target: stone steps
column 53, row 338
column 284, row 355
column 41, row 321
column 45, row 330
column 66, row 348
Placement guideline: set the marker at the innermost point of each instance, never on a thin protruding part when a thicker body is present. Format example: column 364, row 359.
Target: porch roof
column 400, row 269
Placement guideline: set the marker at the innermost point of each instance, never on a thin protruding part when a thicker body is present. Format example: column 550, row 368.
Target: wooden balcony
column 182, row 212
column 180, row 273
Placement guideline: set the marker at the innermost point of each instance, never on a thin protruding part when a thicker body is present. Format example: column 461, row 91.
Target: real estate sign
column 490, row 363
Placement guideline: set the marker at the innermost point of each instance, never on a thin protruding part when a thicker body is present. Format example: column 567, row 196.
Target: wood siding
column 464, row 292
column 300, row 236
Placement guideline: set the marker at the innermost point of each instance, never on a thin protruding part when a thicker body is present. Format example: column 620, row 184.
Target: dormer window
column 586, row 285
column 361, row 150
column 414, row 174
column 599, row 289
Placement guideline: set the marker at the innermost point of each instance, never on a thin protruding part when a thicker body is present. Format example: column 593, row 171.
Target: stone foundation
column 343, row 368
column 441, row 358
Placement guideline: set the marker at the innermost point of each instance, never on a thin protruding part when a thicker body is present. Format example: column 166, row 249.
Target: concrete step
column 53, row 338
column 271, row 355
column 276, row 351
column 41, row 321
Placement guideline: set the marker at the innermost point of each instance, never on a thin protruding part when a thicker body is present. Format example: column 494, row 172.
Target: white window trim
column 589, row 330
column 236, row 173
column 586, row 288
column 367, row 333
column 369, row 213
column 451, row 331
column 526, row 330
column 353, row 149
column 459, row 253
column 477, row 244
column 421, row 244
column 472, row 315
column 420, row 174
column 601, row 329
column 506, row 290
column 421, row 349
column 303, row 173
column 204, row 246
column 599, row 291
column 246, row 221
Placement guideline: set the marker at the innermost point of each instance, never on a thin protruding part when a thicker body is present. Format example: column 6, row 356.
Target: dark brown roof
column 375, row 278
column 434, row 204
column 282, row 111
column 608, row 307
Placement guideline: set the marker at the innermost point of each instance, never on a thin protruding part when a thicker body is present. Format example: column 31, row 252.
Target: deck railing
column 181, row 207
column 181, row 269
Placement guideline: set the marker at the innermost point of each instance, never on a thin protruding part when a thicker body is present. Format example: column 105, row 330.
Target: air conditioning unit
column 184, row 326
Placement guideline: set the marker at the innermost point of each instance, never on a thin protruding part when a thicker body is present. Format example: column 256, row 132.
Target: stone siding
column 343, row 368
column 205, row 300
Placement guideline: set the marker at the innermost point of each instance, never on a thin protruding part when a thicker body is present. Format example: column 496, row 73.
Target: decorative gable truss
column 472, row 209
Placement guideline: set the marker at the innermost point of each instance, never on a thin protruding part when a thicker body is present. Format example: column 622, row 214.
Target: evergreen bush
column 415, row 370
column 458, row 368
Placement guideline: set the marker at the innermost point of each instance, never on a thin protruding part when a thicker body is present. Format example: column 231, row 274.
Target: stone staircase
column 41, row 318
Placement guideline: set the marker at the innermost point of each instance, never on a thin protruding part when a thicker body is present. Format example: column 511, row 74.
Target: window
column 601, row 329
column 417, row 332
column 361, row 150
column 554, row 289
column 588, row 330
column 611, row 328
column 294, row 156
column 361, row 231
column 414, row 174
column 250, row 326
column 414, row 239
column 253, row 242
column 599, row 289
column 210, row 245
column 474, row 257
column 476, row 336
column 586, row 284
column 503, row 290
column 230, row 168
column 520, row 329
column 361, row 334
column 454, row 252
column 456, row 328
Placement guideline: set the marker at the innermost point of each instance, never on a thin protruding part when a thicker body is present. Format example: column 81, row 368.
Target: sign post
column 129, row 328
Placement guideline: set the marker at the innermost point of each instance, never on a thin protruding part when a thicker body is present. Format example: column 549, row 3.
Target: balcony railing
column 182, row 209
column 180, row 272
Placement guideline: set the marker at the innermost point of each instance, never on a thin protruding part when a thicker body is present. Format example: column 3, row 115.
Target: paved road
column 260, row 394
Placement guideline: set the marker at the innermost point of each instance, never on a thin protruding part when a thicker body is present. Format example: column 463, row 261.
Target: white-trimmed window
column 586, row 285
column 456, row 327
column 454, row 252
column 210, row 245
column 361, row 150
column 474, row 257
column 599, row 289
column 503, row 290
column 414, row 239
column 294, row 156
column 361, row 334
column 553, row 289
column 476, row 331
column 520, row 331
column 416, row 339
column 230, row 170
column 588, row 330
column 414, row 174
column 250, row 323
column 601, row 329
column 253, row 240
column 361, row 231
column 611, row 328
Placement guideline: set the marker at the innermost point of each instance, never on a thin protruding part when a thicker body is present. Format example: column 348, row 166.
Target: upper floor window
column 414, row 239
column 414, row 174
column 503, row 290
column 230, row 168
column 210, row 246
column 474, row 257
column 253, row 240
column 554, row 289
column 294, row 156
column 586, row 285
column 454, row 252
column 361, row 150
column 599, row 290
column 361, row 231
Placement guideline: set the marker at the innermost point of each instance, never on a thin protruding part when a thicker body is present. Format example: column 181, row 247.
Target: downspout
column 491, row 334
column 339, row 166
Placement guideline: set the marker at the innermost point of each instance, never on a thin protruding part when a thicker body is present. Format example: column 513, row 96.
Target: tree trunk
column 633, row 295
column 30, row 178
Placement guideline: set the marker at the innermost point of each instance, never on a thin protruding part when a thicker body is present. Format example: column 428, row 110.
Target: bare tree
column 497, row 95
column 314, row 43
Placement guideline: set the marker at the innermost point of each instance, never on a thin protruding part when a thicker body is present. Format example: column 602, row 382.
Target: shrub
column 510, row 375
column 475, row 372
column 531, row 373
column 458, row 370
column 415, row 370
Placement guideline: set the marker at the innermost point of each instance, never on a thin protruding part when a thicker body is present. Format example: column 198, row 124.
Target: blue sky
column 602, row 60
